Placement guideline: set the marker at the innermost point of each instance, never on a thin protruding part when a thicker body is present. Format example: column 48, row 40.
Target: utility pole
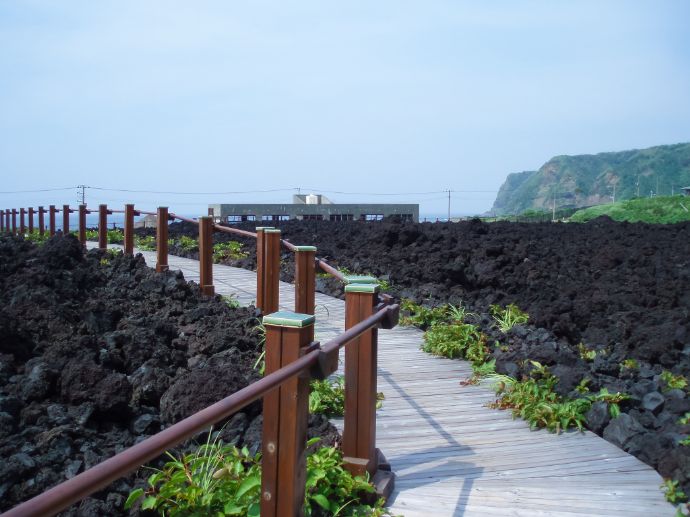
column 449, row 191
column 638, row 185
column 553, row 207
column 82, row 195
column 656, row 193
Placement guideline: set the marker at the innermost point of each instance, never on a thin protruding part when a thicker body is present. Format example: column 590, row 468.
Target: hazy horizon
column 385, row 102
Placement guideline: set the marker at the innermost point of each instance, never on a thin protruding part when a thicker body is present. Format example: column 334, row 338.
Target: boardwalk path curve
column 452, row 455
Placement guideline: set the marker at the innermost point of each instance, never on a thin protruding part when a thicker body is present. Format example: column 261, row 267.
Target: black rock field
column 98, row 352
column 621, row 290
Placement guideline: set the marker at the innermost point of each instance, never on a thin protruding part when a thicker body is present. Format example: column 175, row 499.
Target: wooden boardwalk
column 452, row 455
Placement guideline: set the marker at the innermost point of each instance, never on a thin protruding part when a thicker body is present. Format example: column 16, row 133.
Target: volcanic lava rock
column 98, row 352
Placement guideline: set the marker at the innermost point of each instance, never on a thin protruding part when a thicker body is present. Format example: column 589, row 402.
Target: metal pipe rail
column 327, row 268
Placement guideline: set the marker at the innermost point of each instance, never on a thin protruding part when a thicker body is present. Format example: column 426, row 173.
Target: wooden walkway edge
column 452, row 455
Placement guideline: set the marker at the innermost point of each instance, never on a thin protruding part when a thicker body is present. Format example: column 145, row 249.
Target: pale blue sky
column 328, row 96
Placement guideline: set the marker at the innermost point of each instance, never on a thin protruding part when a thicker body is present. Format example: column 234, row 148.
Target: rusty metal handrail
column 360, row 328
column 327, row 268
column 99, row 476
column 237, row 231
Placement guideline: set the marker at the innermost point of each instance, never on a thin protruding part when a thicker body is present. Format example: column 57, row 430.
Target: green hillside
column 665, row 209
column 587, row 180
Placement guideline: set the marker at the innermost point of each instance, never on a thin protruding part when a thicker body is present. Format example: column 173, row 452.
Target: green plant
column 612, row 399
column 219, row 479
column 115, row 236
column 672, row 491
column 216, row 479
column 586, row 354
column 629, row 364
column 333, row 488
column 454, row 341
column 91, row 235
column 420, row 316
column 458, row 313
column 147, row 243
column 228, row 250
column 582, row 387
column 104, row 262
column 260, row 363
column 187, row 243
column 535, row 400
column 685, row 441
column 685, row 419
column 231, row 301
column 507, row 318
column 384, row 285
column 36, row 237
column 328, row 396
column 673, row 381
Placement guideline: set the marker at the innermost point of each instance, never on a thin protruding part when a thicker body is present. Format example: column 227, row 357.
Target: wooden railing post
column 260, row 248
column 14, row 221
column 66, row 210
column 22, row 221
column 206, row 255
column 31, row 220
column 2, row 221
column 305, row 279
column 82, row 224
column 129, row 230
column 359, row 433
column 51, row 220
column 267, row 269
column 286, row 416
column 103, row 227
column 8, row 220
column 162, row 239
column 41, row 221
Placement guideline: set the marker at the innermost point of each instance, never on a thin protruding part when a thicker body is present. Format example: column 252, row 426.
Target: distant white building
column 686, row 190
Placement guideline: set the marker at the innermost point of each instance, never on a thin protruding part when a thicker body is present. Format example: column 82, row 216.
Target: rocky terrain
column 97, row 352
column 608, row 302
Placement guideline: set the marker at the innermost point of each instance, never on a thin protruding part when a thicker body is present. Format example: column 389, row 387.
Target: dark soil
column 620, row 289
column 98, row 352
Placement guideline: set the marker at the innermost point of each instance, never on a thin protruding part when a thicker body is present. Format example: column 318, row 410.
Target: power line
column 191, row 193
column 37, row 190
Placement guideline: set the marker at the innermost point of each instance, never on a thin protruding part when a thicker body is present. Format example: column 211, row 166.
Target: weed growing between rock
column 506, row 318
column 147, row 243
column 223, row 251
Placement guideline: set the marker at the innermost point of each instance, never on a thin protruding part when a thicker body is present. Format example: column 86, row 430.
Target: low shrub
column 147, row 243
column 116, row 236
column 328, row 396
column 228, row 250
column 461, row 341
column 534, row 400
column 219, row 479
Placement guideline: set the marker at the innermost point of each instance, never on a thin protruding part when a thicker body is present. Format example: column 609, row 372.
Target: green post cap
column 362, row 288
column 359, row 279
column 271, row 230
column 289, row 319
column 262, row 228
column 305, row 248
